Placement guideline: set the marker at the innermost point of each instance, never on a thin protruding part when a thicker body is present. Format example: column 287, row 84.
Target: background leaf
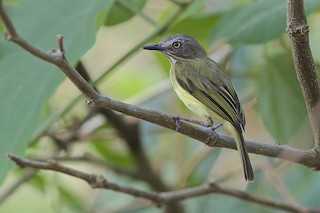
column 281, row 105
column 25, row 86
column 121, row 11
column 256, row 22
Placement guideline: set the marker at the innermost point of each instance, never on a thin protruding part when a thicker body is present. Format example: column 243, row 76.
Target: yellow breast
column 191, row 102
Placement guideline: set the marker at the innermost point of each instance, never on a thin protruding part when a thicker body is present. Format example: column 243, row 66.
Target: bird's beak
column 152, row 47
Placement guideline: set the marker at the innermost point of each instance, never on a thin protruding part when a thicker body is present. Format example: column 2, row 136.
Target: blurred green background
column 246, row 37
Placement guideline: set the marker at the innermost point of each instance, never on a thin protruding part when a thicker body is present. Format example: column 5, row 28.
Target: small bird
column 204, row 88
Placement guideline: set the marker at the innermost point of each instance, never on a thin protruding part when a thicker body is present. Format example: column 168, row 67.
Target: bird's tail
column 241, row 147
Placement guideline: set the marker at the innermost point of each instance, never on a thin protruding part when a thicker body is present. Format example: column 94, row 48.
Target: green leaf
column 201, row 171
column 121, row 12
column 38, row 181
column 191, row 27
column 195, row 7
column 303, row 184
column 280, row 100
column 257, row 22
column 111, row 154
column 69, row 197
column 27, row 82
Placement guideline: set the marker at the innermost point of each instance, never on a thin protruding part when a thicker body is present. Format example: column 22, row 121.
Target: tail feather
column 241, row 146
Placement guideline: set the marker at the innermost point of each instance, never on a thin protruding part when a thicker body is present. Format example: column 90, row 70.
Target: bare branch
column 298, row 31
column 129, row 132
column 88, row 158
column 160, row 198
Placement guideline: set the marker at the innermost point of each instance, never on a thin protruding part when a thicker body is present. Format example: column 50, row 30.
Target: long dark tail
column 241, row 146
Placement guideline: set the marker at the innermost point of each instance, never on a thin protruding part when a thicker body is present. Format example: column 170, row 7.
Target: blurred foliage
column 29, row 83
column 247, row 36
column 122, row 11
column 285, row 89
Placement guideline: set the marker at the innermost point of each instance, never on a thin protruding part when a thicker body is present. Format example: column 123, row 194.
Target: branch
column 159, row 198
column 298, row 31
column 129, row 132
column 88, row 158
column 309, row 158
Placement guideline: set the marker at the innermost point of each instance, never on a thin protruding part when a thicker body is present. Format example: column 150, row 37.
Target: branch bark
column 161, row 198
column 298, row 31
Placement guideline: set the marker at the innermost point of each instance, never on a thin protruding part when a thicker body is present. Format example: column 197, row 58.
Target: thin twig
column 159, row 198
column 298, row 31
column 87, row 158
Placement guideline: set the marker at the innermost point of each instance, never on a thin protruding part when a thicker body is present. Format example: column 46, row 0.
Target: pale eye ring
column 176, row 44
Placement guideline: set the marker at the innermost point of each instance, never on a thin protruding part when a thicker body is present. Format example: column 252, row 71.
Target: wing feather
column 218, row 94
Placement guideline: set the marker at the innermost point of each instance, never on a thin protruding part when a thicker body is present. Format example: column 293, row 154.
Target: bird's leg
column 179, row 118
column 212, row 131
column 209, row 124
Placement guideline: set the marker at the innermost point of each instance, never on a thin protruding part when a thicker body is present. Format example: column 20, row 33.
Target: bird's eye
column 176, row 44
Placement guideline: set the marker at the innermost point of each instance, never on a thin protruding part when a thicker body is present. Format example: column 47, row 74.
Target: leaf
column 257, row 22
column 26, row 82
column 189, row 25
column 201, row 171
column 192, row 9
column 280, row 100
column 110, row 153
column 303, row 184
column 120, row 11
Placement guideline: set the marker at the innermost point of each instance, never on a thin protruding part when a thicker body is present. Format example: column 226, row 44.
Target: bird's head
column 178, row 46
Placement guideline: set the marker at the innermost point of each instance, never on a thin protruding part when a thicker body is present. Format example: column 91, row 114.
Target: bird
column 205, row 88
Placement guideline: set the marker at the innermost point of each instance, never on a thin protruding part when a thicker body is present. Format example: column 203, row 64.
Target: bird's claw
column 177, row 122
column 213, row 138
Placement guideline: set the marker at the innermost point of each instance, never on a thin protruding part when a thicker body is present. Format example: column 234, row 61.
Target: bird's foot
column 179, row 118
column 213, row 138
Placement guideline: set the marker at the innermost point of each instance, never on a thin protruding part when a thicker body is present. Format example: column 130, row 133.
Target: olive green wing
column 208, row 83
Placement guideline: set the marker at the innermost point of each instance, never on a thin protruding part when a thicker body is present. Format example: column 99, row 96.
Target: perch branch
column 160, row 198
column 129, row 132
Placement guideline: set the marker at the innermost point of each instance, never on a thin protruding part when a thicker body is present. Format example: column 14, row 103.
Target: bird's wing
column 214, row 89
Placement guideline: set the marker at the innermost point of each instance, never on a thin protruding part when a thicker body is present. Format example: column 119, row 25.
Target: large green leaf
column 257, row 22
column 26, row 82
column 123, row 10
column 280, row 99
